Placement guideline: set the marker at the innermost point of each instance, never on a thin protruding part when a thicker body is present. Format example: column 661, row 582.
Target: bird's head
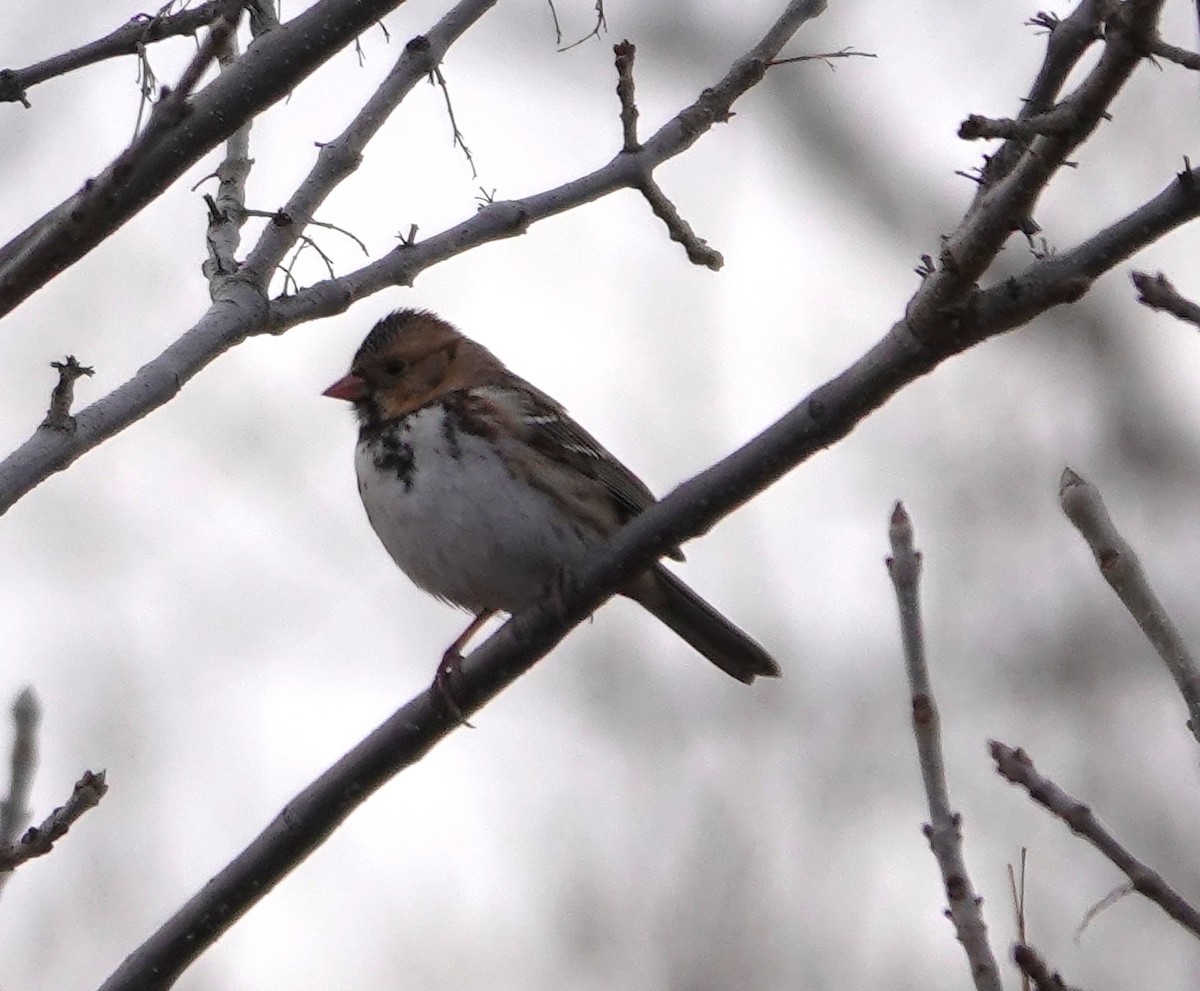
column 410, row 359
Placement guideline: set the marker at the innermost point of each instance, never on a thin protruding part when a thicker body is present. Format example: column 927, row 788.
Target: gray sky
column 205, row 612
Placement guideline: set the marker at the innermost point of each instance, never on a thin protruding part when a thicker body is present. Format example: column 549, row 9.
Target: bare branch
column 160, row 155
column 339, row 158
column 1172, row 53
column 1157, row 292
column 944, row 831
column 698, row 251
column 129, row 39
column 1068, row 40
column 1016, row 176
column 40, row 840
column 246, row 311
column 1015, row 766
column 558, row 35
column 829, row 58
column 1119, row 564
column 227, row 211
column 436, row 76
column 1035, row 969
column 1016, row 884
column 1060, row 120
column 625, row 52
column 15, row 812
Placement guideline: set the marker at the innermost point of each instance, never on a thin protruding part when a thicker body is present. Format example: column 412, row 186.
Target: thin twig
column 1172, row 53
column 826, row 57
column 280, row 218
column 558, row 35
column 1034, row 968
column 40, row 840
column 697, row 249
column 1157, row 292
column 139, row 175
column 59, row 417
column 1016, row 884
column 1084, row 507
column 944, row 831
column 129, row 39
column 1103, row 905
column 1060, row 120
column 1016, row 766
column 438, row 78
column 625, row 52
column 341, row 156
column 679, row 230
column 600, row 25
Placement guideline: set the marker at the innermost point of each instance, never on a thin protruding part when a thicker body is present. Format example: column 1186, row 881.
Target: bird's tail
column 671, row 601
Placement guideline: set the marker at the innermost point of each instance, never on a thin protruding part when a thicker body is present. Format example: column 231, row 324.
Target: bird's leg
column 451, row 663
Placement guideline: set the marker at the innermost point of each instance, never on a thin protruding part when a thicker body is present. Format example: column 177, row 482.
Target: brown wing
column 552, row 432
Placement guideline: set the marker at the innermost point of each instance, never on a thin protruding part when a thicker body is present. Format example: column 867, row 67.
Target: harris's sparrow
column 482, row 488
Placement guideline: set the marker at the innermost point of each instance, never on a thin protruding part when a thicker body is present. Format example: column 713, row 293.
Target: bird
column 484, row 491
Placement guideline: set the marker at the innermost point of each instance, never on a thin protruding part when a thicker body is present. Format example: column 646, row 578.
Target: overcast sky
column 204, row 611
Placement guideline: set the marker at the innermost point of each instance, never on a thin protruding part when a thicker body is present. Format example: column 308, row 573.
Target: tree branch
column 1158, row 293
column 40, row 840
column 277, row 61
column 1034, row 967
column 944, row 831
column 1015, row 766
column 1084, row 507
column 128, row 39
column 243, row 310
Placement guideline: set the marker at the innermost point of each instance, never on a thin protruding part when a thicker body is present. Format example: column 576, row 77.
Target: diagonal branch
column 128, row 39
column 825, row 416
column 340, row 157
column 243, row 311
column 1002, row 205
column 274, row 64
column 944, row 831
column 39, row 840
column 1016, row 766
column 1119, row 565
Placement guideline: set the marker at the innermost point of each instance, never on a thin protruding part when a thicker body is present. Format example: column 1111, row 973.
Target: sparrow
column 483, row 490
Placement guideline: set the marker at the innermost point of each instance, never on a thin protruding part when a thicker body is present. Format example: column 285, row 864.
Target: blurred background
column 204, row 611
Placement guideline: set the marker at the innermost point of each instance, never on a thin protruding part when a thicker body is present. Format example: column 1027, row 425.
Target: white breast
column 456, row 521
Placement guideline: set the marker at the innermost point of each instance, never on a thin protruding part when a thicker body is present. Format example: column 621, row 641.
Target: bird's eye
column 395, row 366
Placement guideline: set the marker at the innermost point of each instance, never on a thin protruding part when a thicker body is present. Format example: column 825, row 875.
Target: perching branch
column 944, row 831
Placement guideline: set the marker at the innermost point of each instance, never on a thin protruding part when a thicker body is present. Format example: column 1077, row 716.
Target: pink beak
column 350, row 388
